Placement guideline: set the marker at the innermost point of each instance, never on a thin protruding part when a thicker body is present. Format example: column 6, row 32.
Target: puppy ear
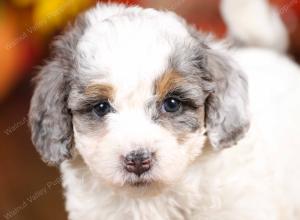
column 227, row 117
column 49, row 118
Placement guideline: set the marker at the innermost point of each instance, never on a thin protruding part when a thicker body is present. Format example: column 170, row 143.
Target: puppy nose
column 138, row 162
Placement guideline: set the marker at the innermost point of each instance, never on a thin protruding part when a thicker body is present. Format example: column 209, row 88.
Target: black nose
column 138, row 162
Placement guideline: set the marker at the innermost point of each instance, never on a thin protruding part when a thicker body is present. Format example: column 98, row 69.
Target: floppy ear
column 49, row 118
column 227, row 117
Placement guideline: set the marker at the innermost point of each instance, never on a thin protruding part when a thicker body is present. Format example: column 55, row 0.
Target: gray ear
column 49, row 117
column 227, row 117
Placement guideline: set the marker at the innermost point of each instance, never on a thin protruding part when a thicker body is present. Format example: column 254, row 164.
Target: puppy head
column 136, row 93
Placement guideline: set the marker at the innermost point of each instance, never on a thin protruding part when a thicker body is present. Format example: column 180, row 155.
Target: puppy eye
column 102, row 108
column 171, row 105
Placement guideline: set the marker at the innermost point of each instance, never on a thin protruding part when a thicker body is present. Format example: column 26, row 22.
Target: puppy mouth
column 142, row 183
column 143, row 180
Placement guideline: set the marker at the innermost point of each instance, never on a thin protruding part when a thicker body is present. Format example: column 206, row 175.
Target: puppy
column 150, row 119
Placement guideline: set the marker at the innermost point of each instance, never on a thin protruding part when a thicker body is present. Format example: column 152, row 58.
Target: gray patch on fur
column 227, row 117
column 50, row 118
column 225, row 86
column 222, row 89
column 187, row 119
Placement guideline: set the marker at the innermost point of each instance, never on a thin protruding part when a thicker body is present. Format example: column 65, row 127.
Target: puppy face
column 159, row 119
column 136, row 97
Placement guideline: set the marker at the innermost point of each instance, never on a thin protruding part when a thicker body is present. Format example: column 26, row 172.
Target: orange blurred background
column 26, row 28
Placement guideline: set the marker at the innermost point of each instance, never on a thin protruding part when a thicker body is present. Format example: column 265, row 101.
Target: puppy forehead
column 130, row 51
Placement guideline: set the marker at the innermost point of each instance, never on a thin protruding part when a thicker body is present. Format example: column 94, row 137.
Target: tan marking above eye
column 100, row 90
column 167, row 82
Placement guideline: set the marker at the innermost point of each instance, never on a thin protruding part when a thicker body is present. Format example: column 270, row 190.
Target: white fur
column 258, row 179
column 255, row 23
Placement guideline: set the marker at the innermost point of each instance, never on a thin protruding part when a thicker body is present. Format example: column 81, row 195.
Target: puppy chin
column 131, row 185
column 142, row 181
column 143, row 187
column 139, row 181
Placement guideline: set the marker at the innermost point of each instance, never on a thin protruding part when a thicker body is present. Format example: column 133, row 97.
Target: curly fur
column 224, row 93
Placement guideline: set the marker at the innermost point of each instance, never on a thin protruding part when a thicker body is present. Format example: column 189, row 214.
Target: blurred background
column 28, row 188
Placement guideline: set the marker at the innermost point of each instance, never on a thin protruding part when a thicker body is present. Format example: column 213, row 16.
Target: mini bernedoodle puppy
column 150, row 119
